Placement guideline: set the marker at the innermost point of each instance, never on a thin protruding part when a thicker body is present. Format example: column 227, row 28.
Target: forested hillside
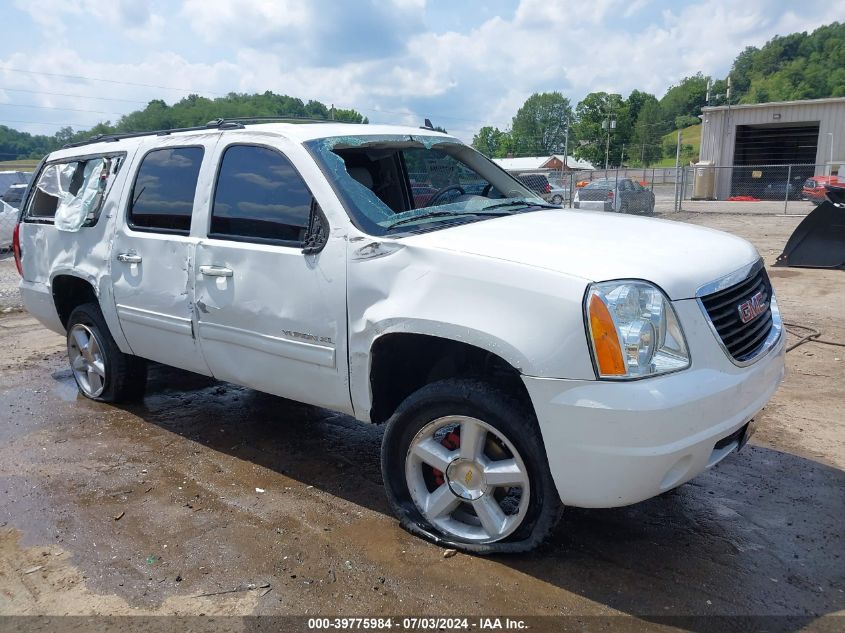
column 190, row 111
column 797, row 66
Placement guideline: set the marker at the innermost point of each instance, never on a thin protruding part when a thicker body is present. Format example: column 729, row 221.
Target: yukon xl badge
column 753, row 307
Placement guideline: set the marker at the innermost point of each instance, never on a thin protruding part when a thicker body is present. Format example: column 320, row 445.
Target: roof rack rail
column 237, row 123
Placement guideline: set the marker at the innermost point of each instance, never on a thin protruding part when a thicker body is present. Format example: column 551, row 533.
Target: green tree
column 649, row 129
column 686, row 98
column 603, row 127
column 492, row 142
column 539, row 127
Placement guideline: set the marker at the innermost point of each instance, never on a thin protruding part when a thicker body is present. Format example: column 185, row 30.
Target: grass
column 25, row 164
column 689, row 136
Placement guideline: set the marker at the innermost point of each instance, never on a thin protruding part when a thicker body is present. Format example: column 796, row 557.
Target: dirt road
column 208, row 488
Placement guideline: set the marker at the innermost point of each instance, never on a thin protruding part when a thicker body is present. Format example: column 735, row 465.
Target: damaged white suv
column 524, row 357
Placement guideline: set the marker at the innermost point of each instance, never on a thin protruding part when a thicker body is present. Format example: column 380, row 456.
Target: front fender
column 530, row 317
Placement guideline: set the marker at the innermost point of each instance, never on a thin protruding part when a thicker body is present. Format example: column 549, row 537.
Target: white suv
column 523, row 357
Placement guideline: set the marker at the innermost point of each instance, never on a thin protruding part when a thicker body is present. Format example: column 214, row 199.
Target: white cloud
column 381, row 58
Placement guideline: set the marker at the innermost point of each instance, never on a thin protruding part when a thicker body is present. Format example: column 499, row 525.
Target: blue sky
column 462, row 64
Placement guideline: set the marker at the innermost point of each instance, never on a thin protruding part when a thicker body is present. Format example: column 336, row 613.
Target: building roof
column 534, row 163
column 776, row 104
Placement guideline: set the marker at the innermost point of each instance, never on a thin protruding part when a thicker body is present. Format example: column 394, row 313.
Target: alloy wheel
column 467, row 479
column 86, row 360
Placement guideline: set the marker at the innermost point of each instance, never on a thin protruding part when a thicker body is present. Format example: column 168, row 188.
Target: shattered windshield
column 392, row 184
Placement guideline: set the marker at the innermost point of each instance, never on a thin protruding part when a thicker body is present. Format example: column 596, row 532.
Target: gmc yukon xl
column 523, row 357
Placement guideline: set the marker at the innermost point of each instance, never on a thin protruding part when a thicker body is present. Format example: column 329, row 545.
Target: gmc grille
column 741, row 340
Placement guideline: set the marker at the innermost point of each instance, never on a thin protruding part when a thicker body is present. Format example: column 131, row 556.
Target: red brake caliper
column 452, row 441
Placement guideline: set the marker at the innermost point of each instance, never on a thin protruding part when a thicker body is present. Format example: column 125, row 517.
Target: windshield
column 393, row 184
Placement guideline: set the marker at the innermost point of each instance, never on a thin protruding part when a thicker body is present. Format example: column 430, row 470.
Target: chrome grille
column 742, row 341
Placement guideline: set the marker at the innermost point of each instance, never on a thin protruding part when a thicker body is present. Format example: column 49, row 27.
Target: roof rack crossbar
column 237, row 123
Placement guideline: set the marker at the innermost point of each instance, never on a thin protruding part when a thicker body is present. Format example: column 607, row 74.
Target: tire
column 101, row 371
column 426, row 420
column 623, row 207
column 557, row 199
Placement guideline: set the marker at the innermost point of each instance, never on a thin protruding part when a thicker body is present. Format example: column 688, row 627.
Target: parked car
column 609, row 194
column 521, row 356
column 538, row 183
column 14, row 194
column 8, row 220
column 781, row 190
column 422, row 194
column 815, row 188
column 9, row 178
column 558, row 191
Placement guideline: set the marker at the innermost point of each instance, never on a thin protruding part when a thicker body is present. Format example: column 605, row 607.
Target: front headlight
column 633, row 330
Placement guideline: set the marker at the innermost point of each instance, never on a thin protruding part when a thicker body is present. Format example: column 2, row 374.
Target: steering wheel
column 439, row 194
column 487, row 189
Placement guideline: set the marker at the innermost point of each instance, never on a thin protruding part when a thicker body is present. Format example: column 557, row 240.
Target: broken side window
column 72, row 193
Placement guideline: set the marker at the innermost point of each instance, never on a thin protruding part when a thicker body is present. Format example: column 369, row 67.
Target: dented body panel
column 403, row 287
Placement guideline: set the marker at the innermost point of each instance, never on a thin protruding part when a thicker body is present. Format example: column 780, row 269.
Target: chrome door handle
column 129, row 258
column 216, row 271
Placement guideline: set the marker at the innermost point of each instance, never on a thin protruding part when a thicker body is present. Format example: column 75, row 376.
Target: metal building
column 809, row 135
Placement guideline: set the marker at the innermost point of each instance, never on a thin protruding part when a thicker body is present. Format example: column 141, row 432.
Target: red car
column 815, row 188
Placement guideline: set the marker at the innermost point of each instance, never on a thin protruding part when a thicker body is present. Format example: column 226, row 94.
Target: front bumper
column 615, row 443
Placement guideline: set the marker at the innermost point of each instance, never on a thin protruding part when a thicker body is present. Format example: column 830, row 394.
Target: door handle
column 216, row 271
column 129, row 258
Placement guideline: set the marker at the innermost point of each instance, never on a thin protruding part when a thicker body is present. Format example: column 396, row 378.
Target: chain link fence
column 565, row 184
column 770, row 189
column 766, row 189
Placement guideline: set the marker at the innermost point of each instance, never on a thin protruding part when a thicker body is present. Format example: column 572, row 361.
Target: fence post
column 786, row 195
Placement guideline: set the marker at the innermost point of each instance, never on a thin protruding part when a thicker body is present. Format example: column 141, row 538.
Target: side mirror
column 318, row 231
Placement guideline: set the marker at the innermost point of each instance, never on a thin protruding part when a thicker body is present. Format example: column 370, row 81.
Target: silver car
column 622, row 196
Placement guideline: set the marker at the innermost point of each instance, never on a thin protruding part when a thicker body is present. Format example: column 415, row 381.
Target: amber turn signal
column 605, row 340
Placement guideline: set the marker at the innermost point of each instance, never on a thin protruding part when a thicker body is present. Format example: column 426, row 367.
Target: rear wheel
column 464, row 465
column 102, row 372
column 557, row 199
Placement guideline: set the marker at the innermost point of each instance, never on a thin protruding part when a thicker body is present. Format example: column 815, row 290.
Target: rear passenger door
column 153, row 251
column 269, row 316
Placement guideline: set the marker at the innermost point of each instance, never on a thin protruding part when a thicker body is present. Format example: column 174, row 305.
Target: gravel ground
column 10, row 296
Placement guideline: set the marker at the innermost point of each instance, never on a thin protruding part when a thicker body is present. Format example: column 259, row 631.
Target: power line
column 29, row 105
column 44, row 123
column 109, row 81
column 62, row 94
column 217, row 94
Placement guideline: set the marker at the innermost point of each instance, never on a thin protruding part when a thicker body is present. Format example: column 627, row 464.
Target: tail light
column 610, row 195
column 16, row 247
column 548, row 188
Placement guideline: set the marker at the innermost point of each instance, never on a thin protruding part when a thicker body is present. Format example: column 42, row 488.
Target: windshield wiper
column 430, row 214
column 521, row 203
column 477, row 212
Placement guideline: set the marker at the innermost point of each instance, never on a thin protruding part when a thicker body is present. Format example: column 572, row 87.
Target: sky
column 463, row 64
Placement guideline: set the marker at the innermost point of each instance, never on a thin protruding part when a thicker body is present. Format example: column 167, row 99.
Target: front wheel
column 464, row 466
column 102, row 372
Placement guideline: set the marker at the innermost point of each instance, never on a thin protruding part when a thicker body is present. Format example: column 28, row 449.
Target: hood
column 597, row 246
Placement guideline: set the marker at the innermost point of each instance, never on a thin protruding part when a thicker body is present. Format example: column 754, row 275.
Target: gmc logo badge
column 754, row 307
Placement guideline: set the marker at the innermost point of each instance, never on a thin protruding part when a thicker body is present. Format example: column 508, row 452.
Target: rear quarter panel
column 47, row 252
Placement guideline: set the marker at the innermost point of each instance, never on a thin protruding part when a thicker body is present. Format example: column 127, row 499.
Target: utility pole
column 677, row 171
column 622, row 156
column 609, row 124
column 566, row 144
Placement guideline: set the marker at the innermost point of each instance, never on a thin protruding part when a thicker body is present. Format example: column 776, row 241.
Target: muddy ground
column 208, row 488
